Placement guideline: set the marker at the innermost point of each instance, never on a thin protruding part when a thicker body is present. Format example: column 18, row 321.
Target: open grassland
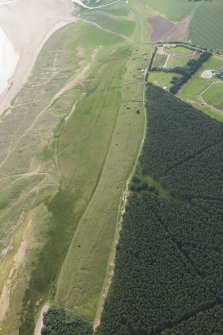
column 84, row 271
column 173, row 10
column 159, row 60
column 79, row 126
column 28, row 177
column 193, row 89
column 178, row 51
column 206, row 26
column 162, row 79
column 55, row 85
column 214, row 95
column 124, row 24
column 96, row 3
column 175, row 61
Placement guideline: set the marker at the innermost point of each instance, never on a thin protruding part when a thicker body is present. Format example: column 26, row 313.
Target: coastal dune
column 24, row 27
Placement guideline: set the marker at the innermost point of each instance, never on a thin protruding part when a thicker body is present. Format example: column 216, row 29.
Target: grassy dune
column 90, row 120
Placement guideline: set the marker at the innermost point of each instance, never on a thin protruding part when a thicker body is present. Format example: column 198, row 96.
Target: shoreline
column 27, row 33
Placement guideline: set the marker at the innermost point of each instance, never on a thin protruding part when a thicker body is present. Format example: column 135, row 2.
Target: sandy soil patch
column 8, row 60
column 160, row 26
column 18, row 262
column 14, row 332
column 179, row 31
column 28, row 24
column 165, row 31
column 39, row 323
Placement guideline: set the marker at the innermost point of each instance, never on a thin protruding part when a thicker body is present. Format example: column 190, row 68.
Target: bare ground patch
column 179, row 31
column 166, row 31
column 160, row 26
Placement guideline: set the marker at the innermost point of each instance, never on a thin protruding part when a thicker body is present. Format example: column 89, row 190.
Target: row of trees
column 185, row 72
column 169, row 263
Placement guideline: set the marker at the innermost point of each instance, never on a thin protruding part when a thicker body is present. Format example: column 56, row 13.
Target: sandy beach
column 24, row 27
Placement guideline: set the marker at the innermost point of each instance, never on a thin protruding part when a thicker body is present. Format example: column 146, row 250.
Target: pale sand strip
column 28, row 24
column 8, row 60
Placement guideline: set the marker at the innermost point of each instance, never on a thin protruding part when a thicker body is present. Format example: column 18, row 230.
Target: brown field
column 179, row 31
column 160, row 26
column 166, row 31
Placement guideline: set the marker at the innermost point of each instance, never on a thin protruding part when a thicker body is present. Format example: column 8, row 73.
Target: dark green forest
column 55, row 323
column 169, row 261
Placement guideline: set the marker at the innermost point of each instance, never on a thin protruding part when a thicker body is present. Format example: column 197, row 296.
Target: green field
column 122, row 26
column 173, row 10
column 94, row 110
column 193, row 88
column 161, row 79
column 175, row 61
column 206, row 26
column 214, row 96
column 96, row 3
column 84, row 270
column 178, row 51
column 159, row 60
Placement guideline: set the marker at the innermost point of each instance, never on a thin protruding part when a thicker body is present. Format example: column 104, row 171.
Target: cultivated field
column 206, row 26
column 173, row 10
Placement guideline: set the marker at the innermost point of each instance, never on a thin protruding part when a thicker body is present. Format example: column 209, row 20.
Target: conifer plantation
column 169, row 261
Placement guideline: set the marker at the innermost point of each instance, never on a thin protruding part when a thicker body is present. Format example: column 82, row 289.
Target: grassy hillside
column 79, row 141
column 206, row 26
column 173, row 10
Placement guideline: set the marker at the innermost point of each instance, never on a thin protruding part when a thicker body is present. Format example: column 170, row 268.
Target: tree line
column 185, row 72
column 55, row 323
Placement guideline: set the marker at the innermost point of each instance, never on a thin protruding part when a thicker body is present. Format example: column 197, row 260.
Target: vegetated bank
column 168, row 274
column 90, row 178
